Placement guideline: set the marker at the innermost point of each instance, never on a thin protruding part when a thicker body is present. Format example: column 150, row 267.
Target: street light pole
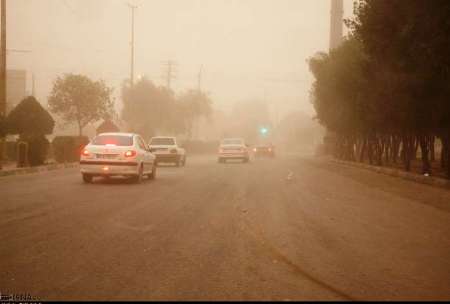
column 3, row 60
column 2, row 75
column 132, row 7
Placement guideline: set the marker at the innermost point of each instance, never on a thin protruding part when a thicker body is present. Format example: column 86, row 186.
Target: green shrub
column 11, row 150
column 29, row 118
column 32, row 122
column 68, row 148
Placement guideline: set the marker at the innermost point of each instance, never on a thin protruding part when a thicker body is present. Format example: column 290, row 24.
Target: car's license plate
column 106, row 156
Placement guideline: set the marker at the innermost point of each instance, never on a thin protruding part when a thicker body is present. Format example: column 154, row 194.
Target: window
column 113, row 140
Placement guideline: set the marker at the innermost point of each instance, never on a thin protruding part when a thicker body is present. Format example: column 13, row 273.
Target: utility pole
column 3, row 75
column 3, row 60
column 170, row 66
column 199, row 80
column 132, row 7
column 336, row 23
column 33, row 85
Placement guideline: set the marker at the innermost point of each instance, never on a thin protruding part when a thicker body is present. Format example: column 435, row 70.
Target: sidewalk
column 429, row 180
column 11, row 169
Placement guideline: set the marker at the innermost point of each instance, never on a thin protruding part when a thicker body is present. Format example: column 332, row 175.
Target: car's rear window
column 232, row 142
column 115, row 140
column 162, row 141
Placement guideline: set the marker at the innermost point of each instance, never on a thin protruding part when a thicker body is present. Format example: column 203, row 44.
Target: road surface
column 214, row 231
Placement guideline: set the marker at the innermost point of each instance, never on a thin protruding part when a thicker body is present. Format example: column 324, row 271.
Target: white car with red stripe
column 233, row 148
column 117, row 154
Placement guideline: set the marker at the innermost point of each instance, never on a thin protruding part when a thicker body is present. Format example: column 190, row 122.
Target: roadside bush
column 11, row 150
column 31, row 122
column 68, row 148
column 37, row 149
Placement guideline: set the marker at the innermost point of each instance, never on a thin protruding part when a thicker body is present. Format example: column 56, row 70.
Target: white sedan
column 166, row 149
column 233, row 148
column 117, row 154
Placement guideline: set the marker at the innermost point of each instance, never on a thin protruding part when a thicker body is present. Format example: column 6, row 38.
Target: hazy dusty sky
column 248, row 48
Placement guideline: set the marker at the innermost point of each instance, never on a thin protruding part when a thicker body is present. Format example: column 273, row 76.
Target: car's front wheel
column 87, row 178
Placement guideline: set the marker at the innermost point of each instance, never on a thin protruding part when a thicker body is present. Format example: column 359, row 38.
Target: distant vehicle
column 233, row 148
column 167, row 150
column 117, row 154
column 264, row 151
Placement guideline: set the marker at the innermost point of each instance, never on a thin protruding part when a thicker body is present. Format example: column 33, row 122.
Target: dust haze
column 246, row 51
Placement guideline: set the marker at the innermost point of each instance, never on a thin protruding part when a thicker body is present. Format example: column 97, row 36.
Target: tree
column 146, row 107
column 384, row 91
column 107, row 126
column 194, row 105
column 80, row 100
column 32, row 122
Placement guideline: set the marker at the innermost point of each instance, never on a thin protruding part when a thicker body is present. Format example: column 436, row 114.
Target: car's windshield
column 113, row 140
column 163, row 141
column 232, row 141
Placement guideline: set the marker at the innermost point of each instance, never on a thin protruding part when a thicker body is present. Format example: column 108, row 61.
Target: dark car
column 264, row 151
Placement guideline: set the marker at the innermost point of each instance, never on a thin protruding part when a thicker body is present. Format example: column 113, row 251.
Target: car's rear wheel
column 246, row 160
column 87, row 178
column 184, row 161
column 138, row 178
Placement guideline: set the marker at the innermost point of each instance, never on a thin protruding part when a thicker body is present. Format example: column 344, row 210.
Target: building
column 16, row 88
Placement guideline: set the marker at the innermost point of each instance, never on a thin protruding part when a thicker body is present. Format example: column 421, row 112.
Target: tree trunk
column 395, row 149
column 443, row 152
column 424, row 148
column 407, row 149
column 363, row 150
column 432, row 152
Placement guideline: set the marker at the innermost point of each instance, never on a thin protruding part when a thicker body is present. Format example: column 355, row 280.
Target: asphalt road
column 211, row 231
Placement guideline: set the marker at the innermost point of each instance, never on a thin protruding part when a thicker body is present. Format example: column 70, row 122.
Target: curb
column 29, row 170
column 428, row 180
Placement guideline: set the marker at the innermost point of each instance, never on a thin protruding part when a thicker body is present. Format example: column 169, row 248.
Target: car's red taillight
column 85, row 152
column 130, row 153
